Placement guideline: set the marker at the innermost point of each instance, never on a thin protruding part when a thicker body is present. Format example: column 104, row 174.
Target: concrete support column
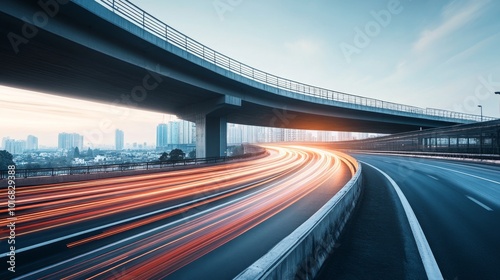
column 211, row 136
column 210, row 118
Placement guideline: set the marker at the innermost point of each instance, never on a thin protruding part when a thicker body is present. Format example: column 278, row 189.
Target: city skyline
column 183, row 132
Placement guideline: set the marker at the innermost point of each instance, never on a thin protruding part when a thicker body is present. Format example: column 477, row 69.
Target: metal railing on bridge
column 107, row 168
column 477, row 140
column 160, row 29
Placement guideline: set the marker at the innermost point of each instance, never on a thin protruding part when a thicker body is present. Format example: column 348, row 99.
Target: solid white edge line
column 430, row 265
column 479, row 203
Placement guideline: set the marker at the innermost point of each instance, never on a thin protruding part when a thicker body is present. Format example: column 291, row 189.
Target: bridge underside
column 80, row 55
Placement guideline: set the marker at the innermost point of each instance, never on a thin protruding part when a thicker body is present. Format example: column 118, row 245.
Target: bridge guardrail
column 482, row 157
column 478, row 140
column 106, row 168
column 160, row 29
column 301, row 254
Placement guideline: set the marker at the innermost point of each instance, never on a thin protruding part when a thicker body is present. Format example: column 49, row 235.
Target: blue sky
column 436, row 54
column 428, row 54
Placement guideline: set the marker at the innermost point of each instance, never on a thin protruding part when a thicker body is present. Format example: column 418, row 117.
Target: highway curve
column 457, row 205
column 205, row 223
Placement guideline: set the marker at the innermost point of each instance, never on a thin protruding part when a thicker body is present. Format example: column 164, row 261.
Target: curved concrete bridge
column 113, row 52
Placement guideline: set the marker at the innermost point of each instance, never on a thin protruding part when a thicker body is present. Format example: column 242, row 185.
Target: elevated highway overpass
column 114, row 52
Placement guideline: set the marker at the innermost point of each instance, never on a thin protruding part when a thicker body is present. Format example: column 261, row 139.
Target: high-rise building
column 345, row 136
column 261, row 134
column 186, row 132
column 8, row 144
column 234, row 134
column 119, row 140
column 270, row 134
column 326, row 136
column 15, row 146
column 249, row 134
column 32, row 143
column 161, row 136
column 292, row 135
column 173, row 132
column 275, row 134
column 4, row 142
column 69, row 141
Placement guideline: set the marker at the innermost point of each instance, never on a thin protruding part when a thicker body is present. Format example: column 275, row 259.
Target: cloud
column 303, row 47
column 455, row 15
column 472, row 50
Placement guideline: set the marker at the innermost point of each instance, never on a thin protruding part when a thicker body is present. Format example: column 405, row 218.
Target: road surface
column 457, row 205
column 205, row 223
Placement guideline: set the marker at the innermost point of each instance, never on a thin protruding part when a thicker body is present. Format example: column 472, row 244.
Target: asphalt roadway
column 457, row 205
column 206, row 223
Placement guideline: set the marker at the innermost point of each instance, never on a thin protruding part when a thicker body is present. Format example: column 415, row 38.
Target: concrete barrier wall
column 301, row 254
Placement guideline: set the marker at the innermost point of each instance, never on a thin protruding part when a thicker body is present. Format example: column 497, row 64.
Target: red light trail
column 240, row 196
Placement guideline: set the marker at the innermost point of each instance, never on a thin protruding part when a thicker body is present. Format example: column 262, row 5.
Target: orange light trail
column 270, row 185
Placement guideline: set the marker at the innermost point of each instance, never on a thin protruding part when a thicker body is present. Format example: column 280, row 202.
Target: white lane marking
column 472, row 165
column 460, row 172
column 149, row 231
column 428, row 260
column 479, row 203
column 433, row 177
column 48, row 242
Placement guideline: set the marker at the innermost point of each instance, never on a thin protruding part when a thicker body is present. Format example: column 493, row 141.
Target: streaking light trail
column 207, row 207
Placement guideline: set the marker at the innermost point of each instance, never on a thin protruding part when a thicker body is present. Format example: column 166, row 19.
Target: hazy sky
column 436, row 54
